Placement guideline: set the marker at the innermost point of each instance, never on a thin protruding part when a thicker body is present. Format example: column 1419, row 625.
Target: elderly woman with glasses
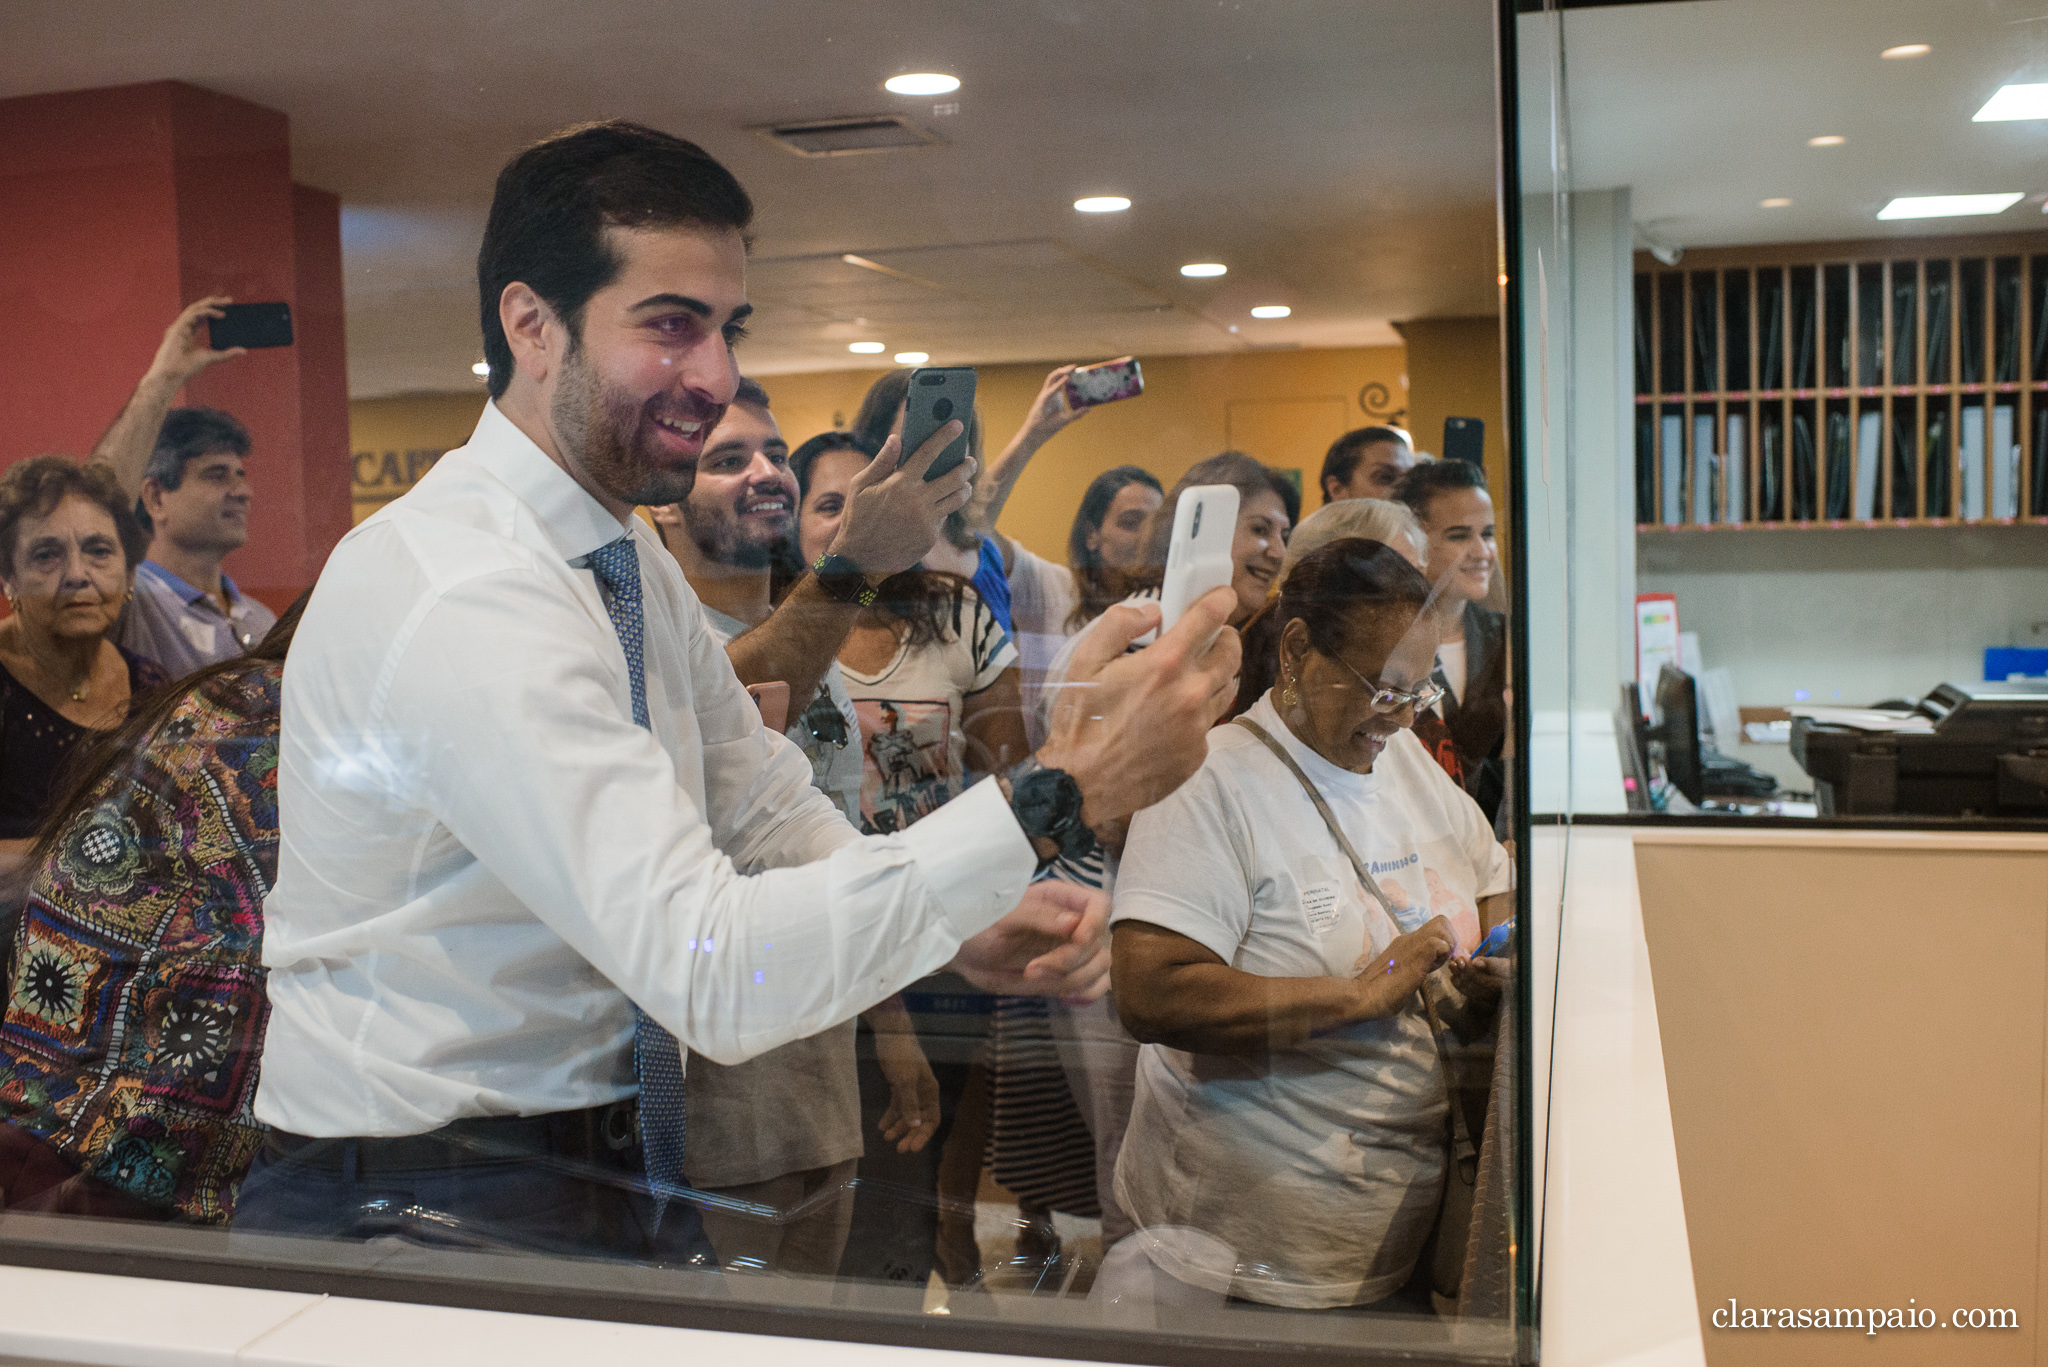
column 1280, row 922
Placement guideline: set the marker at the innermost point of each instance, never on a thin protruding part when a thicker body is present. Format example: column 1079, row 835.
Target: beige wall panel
column 1854, row 1043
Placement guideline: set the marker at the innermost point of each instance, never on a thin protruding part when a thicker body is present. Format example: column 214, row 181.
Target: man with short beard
column 782, row 1131
column 533, row 831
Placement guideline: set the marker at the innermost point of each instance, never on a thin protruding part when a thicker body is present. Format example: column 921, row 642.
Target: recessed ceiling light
column 2014, row 102
column 912, row 357
column 1777, row 202
column 1827, row 140
column 1202, row 270
column 1893, row 54
column 922, row 83
column 481, row 368
column 1271, row 311
column 1102, row 204
column 866, row 348
column 1949, row 206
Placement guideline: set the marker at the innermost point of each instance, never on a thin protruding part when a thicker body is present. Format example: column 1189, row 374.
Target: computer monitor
column 1678, row 728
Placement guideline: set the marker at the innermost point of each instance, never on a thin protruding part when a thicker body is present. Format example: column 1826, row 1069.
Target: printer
column 1981, row 751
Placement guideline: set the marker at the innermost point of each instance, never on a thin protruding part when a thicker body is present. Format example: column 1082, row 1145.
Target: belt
column 605, row 1134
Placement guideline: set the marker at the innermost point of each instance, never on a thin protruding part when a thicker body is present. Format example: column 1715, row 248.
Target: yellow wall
column 397, row 440
column 1284, row 407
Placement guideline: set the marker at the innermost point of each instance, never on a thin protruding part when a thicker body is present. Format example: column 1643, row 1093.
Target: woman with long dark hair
column 1106, row 539
column 136, row 1009
column 934, row 681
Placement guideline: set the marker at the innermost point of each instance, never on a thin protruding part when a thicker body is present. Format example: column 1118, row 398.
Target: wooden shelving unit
column 1901, row 382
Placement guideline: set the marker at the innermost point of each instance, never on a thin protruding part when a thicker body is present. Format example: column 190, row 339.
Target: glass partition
column 1785, row 292
column 697, row 857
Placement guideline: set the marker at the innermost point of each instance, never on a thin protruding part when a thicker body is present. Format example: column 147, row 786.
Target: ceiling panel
column 1337, row 154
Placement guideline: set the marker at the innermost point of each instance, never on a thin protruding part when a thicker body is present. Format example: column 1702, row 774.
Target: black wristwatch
column 1047, row 803
column 843, row 580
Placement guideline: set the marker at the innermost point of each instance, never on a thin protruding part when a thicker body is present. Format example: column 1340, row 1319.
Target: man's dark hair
column 1341, row 461
column 188, row 434
column 751, row 394
column 1420, row 486
column 555, row 199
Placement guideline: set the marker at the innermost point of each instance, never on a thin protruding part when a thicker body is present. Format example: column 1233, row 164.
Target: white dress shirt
column 484, row 860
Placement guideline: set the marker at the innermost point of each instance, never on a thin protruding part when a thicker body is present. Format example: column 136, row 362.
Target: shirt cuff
column 974, row 857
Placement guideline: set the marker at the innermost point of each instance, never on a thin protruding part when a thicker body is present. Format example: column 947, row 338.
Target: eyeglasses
column 825, row 722
column 1387, row 701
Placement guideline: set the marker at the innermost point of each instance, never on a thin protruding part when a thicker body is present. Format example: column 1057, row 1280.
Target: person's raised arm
column 1049, row 413
column 184, row 352
column 1173, row 991
column 892, row 517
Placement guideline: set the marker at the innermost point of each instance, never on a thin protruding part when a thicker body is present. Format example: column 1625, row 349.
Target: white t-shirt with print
column 835, row 769
column 913, row 752
column 1318, row 1166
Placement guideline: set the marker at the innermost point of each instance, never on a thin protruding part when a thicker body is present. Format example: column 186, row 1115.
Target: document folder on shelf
column 1869, row 434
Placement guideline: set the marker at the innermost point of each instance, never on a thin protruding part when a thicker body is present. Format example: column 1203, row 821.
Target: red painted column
column 124, row 204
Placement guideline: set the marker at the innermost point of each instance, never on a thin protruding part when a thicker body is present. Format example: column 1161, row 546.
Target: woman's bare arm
column 1172, row 991
column 993, row 722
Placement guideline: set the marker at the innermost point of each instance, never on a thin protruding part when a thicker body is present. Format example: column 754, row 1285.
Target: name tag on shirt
column 1319, row 900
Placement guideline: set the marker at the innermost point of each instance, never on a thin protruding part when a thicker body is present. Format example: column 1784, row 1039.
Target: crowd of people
column 484, row 852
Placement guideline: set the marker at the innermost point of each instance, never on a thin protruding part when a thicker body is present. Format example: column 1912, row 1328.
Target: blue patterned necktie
column 657, row 1059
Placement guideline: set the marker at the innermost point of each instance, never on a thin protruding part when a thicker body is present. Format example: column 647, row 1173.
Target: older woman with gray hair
column 1280, row 920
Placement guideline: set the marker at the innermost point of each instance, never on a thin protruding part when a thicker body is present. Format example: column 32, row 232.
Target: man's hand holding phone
column 893, row 512
column 187, row 349
column 1131, row 728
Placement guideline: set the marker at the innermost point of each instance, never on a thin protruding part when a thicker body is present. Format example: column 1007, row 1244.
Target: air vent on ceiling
column 845, row 136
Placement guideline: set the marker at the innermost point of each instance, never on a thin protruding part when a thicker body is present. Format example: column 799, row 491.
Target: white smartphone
column 1198, row 558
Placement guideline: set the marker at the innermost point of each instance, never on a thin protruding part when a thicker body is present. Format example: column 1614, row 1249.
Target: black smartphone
column 938, row 394
column 251, row 325
column 1465, row 439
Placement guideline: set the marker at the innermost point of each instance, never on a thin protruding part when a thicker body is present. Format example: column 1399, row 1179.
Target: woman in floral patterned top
column 135, row 1013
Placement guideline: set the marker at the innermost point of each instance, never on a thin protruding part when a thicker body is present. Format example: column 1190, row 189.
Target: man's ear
column 1331, row 493
column 152, row 499
column 667, row 515
column 531, row 331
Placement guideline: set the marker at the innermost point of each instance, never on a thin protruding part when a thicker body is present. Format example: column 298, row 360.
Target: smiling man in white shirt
column 529, row 816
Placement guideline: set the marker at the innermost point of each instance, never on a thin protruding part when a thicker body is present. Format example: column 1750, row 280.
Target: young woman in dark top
column 69, row 545
column 1449, row 499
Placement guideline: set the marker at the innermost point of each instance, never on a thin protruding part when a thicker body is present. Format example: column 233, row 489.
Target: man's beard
column 720, row 538
column 600, row 428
